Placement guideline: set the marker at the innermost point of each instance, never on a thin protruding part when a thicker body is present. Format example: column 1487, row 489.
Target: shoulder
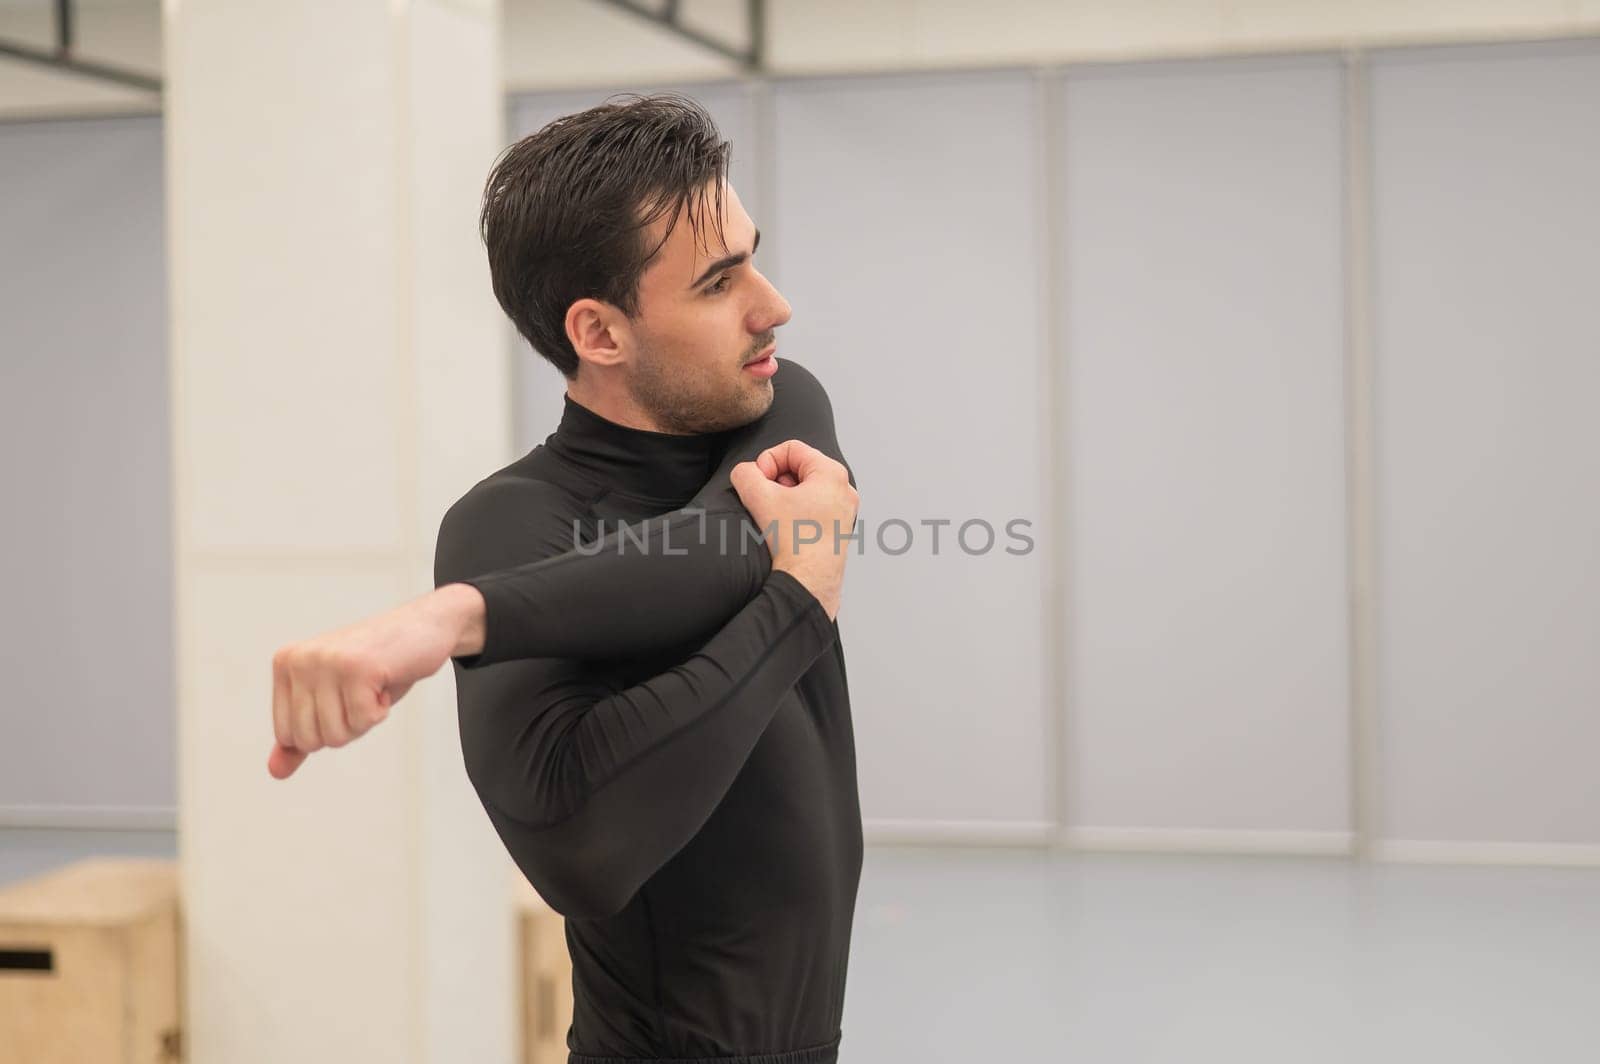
column 504, row 520
column 800, row 398
column 796, row 377
column 803, row 409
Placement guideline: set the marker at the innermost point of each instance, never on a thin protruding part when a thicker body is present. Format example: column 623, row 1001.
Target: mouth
column 765, row 365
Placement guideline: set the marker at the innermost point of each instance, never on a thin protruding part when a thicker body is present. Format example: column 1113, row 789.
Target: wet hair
column 566, row 210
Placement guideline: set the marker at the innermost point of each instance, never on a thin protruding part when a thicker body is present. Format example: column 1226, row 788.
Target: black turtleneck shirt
column 659, row 729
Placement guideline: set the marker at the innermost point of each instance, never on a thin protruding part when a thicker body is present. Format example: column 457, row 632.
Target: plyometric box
column 546, row 970
column 89, row 965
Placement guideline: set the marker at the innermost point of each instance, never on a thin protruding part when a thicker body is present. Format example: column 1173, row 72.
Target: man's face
column 703, row 318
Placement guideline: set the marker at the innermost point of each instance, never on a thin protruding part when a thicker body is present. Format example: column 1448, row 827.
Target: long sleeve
column 660, row 582
column 593, row 790
column 627, row 689
column 657, row 582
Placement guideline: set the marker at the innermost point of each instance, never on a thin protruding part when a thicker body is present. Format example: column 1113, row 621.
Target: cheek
column 707, row 332
column 719, row 329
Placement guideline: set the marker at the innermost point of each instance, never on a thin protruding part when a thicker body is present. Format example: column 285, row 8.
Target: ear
column 598, row 332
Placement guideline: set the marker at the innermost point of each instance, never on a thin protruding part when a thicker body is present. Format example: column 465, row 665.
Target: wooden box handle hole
column 27, row 960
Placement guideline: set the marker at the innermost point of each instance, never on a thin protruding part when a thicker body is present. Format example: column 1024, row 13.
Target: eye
column 720, row 285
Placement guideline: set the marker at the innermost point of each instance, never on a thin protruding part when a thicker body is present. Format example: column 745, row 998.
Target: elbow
column 574, row 884
column 582, row 871
column 583, row 861
column 579, row 894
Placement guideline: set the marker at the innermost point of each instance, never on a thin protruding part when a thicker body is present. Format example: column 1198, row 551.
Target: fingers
column 336, row 716
column 281, row 728
column 331, row 723
column 283, row 761
column 306, row 735
column 365, row 705
column 315, row 704
column 332, row 689
column 798, row 458
column 749, row 480
column 284, row 758
column 775, row 461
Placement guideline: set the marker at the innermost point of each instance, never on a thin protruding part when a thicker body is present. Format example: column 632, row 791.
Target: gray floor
column 1132, row 959
column 964, row 956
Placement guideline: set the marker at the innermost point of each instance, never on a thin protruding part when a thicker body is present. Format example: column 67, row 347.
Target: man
column 681, row 788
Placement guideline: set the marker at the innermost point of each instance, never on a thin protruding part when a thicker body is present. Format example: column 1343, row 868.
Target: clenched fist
column 334, row 688
column 805, row 499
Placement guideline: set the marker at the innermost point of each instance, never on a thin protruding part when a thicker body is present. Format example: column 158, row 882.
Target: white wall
column 336, row 354
column 557, row 43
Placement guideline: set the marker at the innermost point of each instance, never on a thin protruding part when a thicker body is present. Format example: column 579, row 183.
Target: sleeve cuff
column 486, row 587
column 797, row 593
column 497, row 611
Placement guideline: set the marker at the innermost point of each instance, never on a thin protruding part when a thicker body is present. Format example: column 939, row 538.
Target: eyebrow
column 726, row 262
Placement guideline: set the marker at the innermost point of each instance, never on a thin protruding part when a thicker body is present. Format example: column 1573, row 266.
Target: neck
column 669, row 467
column 612, row 403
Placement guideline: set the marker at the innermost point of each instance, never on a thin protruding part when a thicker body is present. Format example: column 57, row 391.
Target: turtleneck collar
column 655, row 465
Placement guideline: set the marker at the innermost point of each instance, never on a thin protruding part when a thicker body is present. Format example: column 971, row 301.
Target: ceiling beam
column 63, row 59
column 752, row 57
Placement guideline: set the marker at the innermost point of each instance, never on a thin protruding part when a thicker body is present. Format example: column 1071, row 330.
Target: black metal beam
column 757, row 15
column 63, row 59
column 64, row 26
column 751, row 58
column 87, row 68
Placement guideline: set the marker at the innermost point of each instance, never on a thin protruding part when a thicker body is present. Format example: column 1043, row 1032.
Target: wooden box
column 89, row 960
column 546, row 980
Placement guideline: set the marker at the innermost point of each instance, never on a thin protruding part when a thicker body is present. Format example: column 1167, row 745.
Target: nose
column 775, row 310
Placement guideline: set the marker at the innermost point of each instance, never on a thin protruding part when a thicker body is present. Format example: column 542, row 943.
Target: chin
column 755, row 400
column 764, row 395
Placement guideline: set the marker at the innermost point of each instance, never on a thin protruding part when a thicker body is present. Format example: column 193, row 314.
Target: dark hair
column 566, row 209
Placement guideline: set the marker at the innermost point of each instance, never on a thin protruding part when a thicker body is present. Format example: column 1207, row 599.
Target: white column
column 339, row 377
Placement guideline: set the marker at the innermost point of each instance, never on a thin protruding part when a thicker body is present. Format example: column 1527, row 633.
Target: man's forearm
column 333, row 688
column 462, row 607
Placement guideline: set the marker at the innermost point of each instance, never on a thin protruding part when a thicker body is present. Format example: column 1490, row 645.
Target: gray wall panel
column 1487, row 343
column 909, row 244
column 86, row 638
column 1204, row 447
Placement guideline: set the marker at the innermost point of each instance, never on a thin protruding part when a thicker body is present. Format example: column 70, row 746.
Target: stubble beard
column 692, row 406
